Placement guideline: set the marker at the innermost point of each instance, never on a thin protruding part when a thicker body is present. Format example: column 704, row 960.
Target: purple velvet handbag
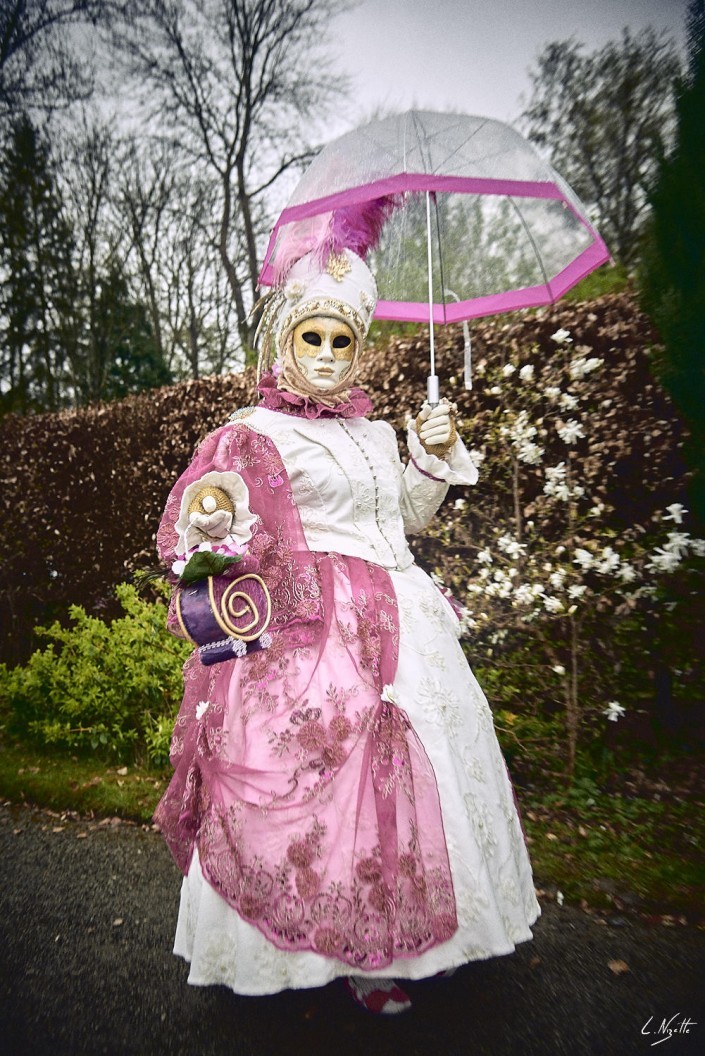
column 224, row 616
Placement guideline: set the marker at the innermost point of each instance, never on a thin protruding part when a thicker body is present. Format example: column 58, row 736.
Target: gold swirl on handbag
column 225, row 617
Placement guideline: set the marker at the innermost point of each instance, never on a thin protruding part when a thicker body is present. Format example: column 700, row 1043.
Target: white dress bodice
column 352, row 492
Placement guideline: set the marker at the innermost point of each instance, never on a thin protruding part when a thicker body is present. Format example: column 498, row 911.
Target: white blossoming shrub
column 577, row 531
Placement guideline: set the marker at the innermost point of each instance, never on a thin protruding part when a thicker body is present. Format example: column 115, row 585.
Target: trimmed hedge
column 83, row 491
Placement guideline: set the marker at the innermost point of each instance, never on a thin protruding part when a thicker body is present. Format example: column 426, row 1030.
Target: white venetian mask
column 324, row 348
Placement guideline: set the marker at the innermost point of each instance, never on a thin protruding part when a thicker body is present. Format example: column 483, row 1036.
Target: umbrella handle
column 432, row 390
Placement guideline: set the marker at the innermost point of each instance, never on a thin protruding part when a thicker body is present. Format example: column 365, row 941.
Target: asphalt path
column 87, row 916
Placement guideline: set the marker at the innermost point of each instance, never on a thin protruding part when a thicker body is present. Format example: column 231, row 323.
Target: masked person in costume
column 340, row 806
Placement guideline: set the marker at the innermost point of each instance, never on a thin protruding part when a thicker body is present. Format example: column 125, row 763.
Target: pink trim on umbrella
column 494, row 304
column 401, row 183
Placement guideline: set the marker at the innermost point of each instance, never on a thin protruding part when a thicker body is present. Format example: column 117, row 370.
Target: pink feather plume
column 354, row 227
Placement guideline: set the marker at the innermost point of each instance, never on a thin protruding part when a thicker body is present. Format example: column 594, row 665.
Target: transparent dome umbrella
column 471, row 220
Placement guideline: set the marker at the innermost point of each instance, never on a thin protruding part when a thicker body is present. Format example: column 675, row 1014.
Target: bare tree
column 87, row 176
column 606, row 119
column 39, row 64
column 235, row 82
column 169, row 213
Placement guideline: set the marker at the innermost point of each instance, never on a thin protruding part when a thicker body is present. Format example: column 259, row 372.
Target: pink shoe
column 381, row 996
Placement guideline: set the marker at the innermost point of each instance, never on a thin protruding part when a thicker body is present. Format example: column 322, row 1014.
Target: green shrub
column 108, row 687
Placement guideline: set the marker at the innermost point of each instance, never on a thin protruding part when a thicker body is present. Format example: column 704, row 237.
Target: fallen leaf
column 58, row 828
column 618, row 967
column 551, row 836
column 534, row 962
column 81, row 835
column 120, row 783
column 118, row 922
column 122, row 771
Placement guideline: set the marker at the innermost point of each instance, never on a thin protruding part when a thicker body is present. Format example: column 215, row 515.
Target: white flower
column 555, row 473
column 556, row 579
column 552, row 393
column 523, row 595
column 663, row 560
column 467, row 623
column 597, row 510
column 583, row 558
column 202, row 708
column 496, row 390
column 552, row 604
column 555, row 482
column 510, row 546
column 485, row 556
column 562, row 337
column 459, row 504
column 476, row 456
column 388, row 695
column 559, row 898
column 567, row 401
column 582, row 366
column 627, row 573
column 508, row 369
column 698, row 547
column 570, row 431
column 203, row 547
column 178, row 567
column 527, row 373
column 678, row 543
column 609, row 561
column 530, row 453
column 576, row 590
column 613, row 711
column 559, row 669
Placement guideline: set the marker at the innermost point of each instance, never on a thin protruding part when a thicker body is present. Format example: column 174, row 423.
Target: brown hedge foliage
column 83, row 491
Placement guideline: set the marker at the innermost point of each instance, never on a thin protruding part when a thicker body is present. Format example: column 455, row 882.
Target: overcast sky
column 473, row 55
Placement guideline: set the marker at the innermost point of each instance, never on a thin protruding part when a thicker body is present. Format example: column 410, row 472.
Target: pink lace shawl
column 311, row 799
column 357, row 405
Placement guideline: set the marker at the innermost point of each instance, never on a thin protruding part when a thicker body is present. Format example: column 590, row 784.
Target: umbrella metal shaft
column 432, row 390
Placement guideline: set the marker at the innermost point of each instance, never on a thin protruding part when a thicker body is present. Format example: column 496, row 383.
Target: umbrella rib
column 440, row 255
column 529, row 235
column 464, row 143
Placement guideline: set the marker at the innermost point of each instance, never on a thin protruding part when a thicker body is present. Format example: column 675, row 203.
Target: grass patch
column 619, row 852
column 87, row 785
column 604, row 851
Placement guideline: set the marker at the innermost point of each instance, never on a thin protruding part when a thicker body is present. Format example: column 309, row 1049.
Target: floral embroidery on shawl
column 311, row 800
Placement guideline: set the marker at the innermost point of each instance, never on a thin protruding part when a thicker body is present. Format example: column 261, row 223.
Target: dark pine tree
column 673, row 274
column 127, row 345
column 37, row 278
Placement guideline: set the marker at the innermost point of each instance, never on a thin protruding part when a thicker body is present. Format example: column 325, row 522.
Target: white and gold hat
column 344, row 288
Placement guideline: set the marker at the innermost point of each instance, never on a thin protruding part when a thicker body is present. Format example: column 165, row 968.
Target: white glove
column 214, row 525
column 435, row 427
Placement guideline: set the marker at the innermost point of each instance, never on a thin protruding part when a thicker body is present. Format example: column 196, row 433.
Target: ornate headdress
column 322, row 274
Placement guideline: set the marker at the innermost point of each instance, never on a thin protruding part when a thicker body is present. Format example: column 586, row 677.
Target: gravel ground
column 87, row 921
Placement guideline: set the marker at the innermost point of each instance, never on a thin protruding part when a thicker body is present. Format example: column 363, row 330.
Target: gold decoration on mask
column 325, row 329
